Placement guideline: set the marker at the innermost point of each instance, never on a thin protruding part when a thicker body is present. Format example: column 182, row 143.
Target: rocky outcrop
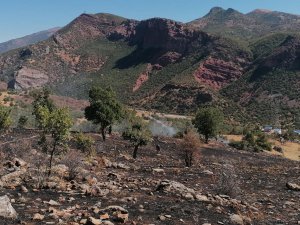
column 177, row 98
column 6, row 209
column 217, row 73
column 142, row 78
column 168, row 35
column 29, row 78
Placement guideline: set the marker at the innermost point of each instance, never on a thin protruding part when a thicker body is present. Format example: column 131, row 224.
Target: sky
column 22, row 17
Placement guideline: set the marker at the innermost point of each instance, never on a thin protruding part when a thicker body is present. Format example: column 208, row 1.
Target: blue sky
column 22, row 17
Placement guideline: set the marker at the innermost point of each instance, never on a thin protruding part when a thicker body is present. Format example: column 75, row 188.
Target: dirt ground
column 257, row 182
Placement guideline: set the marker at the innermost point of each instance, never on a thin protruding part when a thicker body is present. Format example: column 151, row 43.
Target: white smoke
column 160, row 128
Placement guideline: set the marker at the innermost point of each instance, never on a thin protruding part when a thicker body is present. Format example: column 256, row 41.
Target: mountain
column 169, row 66
column 27, row 40
column 247, row 26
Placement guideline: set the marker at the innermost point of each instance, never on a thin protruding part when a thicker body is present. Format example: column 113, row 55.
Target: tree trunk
column 103, row 134
column 135, row 151
column 110, row 130
column 206, row 139
column 51, row 158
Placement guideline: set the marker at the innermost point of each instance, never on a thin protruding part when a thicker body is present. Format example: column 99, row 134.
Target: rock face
column 6, row 209
column 217, row 73
column 29, row 78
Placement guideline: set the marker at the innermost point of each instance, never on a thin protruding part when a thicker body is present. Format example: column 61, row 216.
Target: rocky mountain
column 247, row 26
column 27, row 40
column 170, row 66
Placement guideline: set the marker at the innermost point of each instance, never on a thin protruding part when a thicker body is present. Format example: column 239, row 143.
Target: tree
column 208, row 122
column 137, row 133
column 104, row 108
column 5, row 120
column 41, row 99
column 56, row 124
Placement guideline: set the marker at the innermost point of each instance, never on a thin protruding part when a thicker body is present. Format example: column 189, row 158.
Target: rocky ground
column 224, row 186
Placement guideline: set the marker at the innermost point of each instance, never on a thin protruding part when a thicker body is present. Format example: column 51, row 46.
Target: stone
column 24, row 189
column 176, row 188
column 123, row 218
column 104, row 216
column 107, row 222
column 293, row 186
column 158, row 170
column 38, row 216
column 53, row 203
column 162, row 218
column 202, row 198
column 93, row 221
column 6, row 209
column 236, row 219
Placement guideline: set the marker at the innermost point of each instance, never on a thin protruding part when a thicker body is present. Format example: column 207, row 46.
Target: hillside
column 27, row 40
column 139, row 59
column 168, row 66
column 241, row 26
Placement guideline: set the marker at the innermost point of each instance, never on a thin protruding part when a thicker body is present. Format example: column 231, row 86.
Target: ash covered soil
column 224, row 186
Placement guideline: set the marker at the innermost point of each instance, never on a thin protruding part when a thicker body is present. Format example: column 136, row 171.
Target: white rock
column 6, row 209
column 236, row 219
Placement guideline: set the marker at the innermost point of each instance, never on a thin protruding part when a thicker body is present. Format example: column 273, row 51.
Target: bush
column 73, row 160
column 84, row 143
column 228, row 183
column 22, row 122
column 190, row 146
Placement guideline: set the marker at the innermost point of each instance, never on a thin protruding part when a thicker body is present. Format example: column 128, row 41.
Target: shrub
column 190, row 146
column 84, row 143
column 228, row 183
column 22, row 122
column 73, row 160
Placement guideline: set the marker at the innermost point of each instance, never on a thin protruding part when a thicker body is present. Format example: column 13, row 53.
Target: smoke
column 160, row 128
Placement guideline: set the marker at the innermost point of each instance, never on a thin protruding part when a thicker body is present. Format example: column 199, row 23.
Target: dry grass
column 291, row 150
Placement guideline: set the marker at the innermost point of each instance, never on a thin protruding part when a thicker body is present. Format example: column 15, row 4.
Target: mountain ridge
column 162, row 64
column 27, row 40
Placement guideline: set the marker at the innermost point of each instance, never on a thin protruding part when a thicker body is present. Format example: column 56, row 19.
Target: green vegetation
column 208, row 122
column 84, row 143
column 104, row 109
column 252, row 142
column 137, row 133
column 5, row 120
column 23, row 121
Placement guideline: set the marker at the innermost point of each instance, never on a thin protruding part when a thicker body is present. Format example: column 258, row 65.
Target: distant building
column 277, row 131
column 267, row 129
column 297, row 132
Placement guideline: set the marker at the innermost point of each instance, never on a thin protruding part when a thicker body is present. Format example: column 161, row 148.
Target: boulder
column 176, row 188
column 6, row 209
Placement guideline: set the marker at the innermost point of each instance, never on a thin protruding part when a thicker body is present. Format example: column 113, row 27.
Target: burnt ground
column 256, row 180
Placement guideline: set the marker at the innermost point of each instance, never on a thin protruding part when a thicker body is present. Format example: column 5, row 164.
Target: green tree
column 41, row 99
column 104, row 108
column 208, row 122
column 55, row 126
column 5, row 120
column 137, row 133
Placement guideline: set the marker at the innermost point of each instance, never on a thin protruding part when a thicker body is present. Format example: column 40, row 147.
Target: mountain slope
column 27, row 40
column 255, row 24
column 166, row 65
